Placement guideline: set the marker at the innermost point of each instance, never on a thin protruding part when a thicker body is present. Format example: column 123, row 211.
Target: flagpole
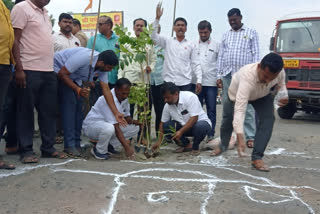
column 174, row 15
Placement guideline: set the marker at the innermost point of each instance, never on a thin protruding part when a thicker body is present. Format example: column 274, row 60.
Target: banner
column 89, row 20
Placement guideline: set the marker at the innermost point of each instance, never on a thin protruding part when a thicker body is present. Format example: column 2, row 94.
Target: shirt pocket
column 185, row 54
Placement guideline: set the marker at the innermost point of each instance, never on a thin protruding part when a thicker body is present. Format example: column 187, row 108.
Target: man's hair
column 76, row 22
column 18, row 1
column 109, row 58
column 234, row 11
column 273, row 61
column 121, row 82
column 180, row 19
column 204, row 24
column 138, row 19
column 64, row 16
column 108, row 20
column 169, row 87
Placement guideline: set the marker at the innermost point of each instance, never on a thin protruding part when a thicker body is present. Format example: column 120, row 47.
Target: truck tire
column 287, row 111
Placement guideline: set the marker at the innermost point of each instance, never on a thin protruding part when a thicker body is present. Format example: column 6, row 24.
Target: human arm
column 160, row 138
column 125, row 143
column 190, row 123
column 220, row 63
column 109, row 99
column 158, row 39
column 196, row 68
column 20, row 76
column 255, row 50
column 283, row 92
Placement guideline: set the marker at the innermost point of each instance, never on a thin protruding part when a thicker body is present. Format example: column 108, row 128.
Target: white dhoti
column 105, row 133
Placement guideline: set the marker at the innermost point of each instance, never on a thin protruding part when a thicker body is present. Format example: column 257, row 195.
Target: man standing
column 73, row 67
column 77, row 32
column 156, row 82
column 256, row 84
column 37, row 83
column 239, row 47
column 101, row 124
column 181, row 61
column 65, row 39
column 208, row 51
column 106, row 40
column 183, row 113
column 133, row 71
column 6, row 59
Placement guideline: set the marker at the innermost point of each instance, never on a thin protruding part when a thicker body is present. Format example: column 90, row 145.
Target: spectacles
column 100, row 24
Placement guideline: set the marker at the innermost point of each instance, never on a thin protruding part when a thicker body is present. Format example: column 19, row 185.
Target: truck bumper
column 305, row 96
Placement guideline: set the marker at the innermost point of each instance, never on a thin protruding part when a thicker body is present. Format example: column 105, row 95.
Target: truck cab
column 297, row 39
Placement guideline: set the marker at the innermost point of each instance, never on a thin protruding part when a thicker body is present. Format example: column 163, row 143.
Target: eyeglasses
column 100, row 24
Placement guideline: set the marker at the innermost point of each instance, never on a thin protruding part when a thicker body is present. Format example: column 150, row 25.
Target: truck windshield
column 299, row 36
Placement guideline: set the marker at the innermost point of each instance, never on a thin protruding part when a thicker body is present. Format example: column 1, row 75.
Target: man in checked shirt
column 239, row 47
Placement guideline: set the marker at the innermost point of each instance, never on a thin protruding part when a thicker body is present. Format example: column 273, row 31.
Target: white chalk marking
column 211, row 187
column 294, row 194
column 249, row 191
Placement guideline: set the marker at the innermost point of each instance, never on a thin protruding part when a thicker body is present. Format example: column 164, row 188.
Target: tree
column 9, row 4
column 135, row 49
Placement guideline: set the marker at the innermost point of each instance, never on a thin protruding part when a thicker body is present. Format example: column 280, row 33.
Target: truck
column 297, row 39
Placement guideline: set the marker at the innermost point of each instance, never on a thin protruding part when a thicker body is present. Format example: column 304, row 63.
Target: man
column 181, row 61
column 183, row 113
column 156, row 82
column 256, row 84
column 101, row 124
column 65, row 39
column 208, row 51
column 73, row 67
column 133, row 71
column 106, row 40
column 77, row 32
column 239, row 47
column 6, row 59
column 36, row 81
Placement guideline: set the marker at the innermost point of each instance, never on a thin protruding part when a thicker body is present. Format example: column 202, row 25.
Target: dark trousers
column 190, row 87
column 265, row 111
column 8, row 115
column 5, row 75
column 71, row 108
column 41, row 92
column 198, row 132
column 158, row 103
column 209, row 95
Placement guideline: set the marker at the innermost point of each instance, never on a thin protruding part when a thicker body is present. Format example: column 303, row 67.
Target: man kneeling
column 184, row 114
column 101, row 124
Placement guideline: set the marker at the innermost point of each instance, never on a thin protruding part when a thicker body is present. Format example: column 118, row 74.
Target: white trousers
column 105, row 133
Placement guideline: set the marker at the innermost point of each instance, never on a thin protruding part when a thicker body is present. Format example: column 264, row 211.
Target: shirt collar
column 60, row 33
column 35, row 7
column 243, row 27
column 113, row 35
column 95, row 59
column 184, row 40
column 206, row 42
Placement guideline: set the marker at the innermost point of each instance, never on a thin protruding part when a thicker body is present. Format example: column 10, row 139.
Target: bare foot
column 241, row 151
column 216, row 151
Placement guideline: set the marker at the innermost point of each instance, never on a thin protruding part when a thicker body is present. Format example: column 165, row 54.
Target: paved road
column 175, row 184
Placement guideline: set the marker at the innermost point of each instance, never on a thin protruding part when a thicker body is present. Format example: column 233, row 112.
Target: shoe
column 98, row 155
column 111, row 150
column 210, row 138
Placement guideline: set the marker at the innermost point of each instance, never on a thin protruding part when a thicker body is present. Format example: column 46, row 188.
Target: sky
column 258, row 14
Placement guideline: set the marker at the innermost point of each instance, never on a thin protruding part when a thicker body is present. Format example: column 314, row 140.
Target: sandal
column 250, row 144
column 72, row 153
column 182, row 149
column 260, row 166
column 59, row 140
column 29, row 159
column 195, row 152
column 6, row 165
column 55, row 154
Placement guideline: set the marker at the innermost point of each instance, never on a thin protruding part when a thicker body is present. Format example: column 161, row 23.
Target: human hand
column 130, row 152
column 177, row 136
column 283, row 102
column 156, row 146
column 20, row 77
column 219, row 83
column 121, row 120
column 84, row 92
column 241, row 146
column 159, row 11
column 148, row 69
column 198, row 88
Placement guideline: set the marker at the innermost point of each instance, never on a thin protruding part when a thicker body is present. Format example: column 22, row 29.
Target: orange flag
column 89, row 6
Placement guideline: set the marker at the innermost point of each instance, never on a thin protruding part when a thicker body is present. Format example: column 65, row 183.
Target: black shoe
column 111, row 150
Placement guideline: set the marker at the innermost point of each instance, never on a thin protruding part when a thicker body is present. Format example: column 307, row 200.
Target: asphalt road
column 174, row 183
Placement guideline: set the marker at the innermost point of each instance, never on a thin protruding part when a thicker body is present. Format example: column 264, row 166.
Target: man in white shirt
column 208, row 50
column 181, row 61
column 101, row 124
column 256, row 84
column 65, row 39
column 184, row 114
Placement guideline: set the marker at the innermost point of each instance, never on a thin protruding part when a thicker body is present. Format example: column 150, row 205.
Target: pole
column 174, row 15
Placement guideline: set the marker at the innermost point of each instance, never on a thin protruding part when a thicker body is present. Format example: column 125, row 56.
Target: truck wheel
column 287, row 111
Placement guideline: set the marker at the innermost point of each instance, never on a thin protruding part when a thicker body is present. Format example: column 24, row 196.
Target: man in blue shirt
column 73, row 67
